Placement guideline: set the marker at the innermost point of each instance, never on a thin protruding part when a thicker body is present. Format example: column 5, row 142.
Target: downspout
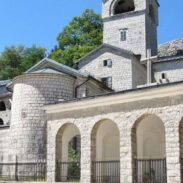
column 76, row 89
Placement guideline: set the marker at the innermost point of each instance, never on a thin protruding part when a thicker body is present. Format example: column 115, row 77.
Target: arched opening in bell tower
column 123, row 6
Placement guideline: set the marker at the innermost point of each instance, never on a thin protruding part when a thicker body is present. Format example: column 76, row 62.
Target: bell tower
column 131, row 25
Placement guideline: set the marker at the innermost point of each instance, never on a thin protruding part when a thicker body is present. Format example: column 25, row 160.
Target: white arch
column 64, row 135
column 107, row 140
column 70, row 132
column 150, row 138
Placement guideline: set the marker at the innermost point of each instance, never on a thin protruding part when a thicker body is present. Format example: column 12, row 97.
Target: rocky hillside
column 171, row 48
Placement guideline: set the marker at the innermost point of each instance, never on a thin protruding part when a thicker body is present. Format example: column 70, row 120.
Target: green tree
column 82, row 35
column 74, row 165
column 16, row 60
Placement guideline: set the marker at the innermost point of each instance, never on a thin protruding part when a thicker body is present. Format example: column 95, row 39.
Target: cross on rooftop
column 148, row 61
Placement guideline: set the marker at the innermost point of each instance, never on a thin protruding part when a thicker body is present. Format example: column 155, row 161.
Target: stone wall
column 126, row 71
column 6, row 115
column 4, row 143
column 136, row 32
column 151, row 35
column 89, row 87
column 121, row 70
column 93, row 89
column 28, row 125
column 26, row 138
column 139, row 74
column 109, row 4
column 172, row 69
column 126, row 115
column 141, row 29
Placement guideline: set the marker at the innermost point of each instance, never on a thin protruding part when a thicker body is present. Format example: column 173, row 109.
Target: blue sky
column 38, row 22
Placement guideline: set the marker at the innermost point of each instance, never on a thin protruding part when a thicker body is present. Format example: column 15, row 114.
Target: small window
column 107, row 63
column 107, row 81
column 2, row 106
column 163, row 76
column 123, row 34
column 1, row 122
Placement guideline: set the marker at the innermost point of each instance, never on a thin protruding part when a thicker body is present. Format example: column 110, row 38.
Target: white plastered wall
column 151, row 138
column 70, row 132
column 107, row 142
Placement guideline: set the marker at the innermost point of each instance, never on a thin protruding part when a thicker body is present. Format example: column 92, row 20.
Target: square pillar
column 173, row 153
column 85, row 157
column 126, row 161
column 51, row 159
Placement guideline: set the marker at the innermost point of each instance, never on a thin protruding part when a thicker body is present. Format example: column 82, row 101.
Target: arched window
column 2, row 106
column 1, row 122
column 123, row 6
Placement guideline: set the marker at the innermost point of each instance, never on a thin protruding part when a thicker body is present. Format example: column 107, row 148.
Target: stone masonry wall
column 6, row 115
column 151, row 34
column 109, row 4
column 169, row 110
column 141, row 30
column 139, row 74
column 173, row 70
column 93, row 89
column 28, row 126
column 89, row 88
column 136, row 32
column 4, row 144
column 121, row 70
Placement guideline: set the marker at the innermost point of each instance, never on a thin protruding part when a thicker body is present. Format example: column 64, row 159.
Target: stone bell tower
column 131, row 25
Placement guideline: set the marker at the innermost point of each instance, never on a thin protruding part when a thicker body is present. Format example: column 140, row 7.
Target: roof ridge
column 68, row 70
column 102, row 45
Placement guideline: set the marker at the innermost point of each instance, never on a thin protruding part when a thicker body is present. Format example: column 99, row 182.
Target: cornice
column 119, row 98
